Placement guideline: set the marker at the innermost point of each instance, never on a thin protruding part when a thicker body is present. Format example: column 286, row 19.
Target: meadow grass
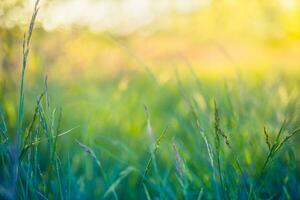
column 204, row 139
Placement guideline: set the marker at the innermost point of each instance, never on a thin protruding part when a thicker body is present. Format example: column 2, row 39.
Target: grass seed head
column 178, row 161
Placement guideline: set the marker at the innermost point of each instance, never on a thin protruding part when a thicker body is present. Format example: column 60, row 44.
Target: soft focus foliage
column 222, row 76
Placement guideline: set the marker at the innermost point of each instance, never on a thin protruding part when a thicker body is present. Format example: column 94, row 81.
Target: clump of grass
column 18, row 140
column 33, row 171
column 219, row 133
column 22, row 160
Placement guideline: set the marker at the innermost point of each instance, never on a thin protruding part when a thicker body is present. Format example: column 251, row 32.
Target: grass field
column 145, row 132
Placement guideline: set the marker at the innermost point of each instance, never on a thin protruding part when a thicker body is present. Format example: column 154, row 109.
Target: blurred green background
column 106, row 59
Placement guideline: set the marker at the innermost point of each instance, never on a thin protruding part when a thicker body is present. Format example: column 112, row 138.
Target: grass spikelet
column 178, row 161
column 267, row 138
column 15, row 153
column 286, row 138
column 218, row 130
column 149, row 127
column 278, row 145
column 156, row 146
column 26, row 44
column 217, row 143
column 89, row 151
column 220, row 134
